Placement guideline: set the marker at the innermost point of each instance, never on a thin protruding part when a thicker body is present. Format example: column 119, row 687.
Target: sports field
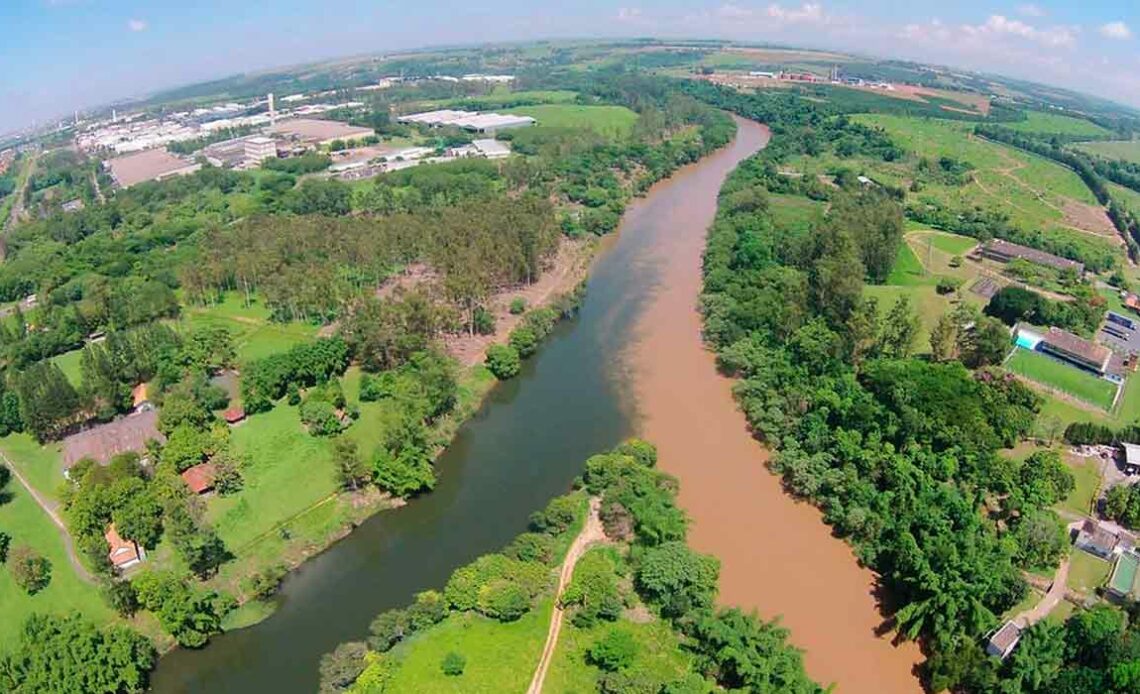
column 1050, row 372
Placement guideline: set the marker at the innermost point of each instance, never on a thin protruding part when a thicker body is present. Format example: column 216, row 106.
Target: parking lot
column 1121, row 334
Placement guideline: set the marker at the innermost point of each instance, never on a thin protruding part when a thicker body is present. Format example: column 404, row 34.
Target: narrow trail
column 1053, row 597
column 592, row 533
column 50, row 510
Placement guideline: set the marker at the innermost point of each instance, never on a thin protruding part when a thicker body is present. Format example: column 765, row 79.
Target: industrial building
column 484, row 123
column 258, row 149
column 314, row 132
column 151, row 165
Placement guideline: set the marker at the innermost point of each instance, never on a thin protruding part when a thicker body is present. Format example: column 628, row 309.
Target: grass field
column 255, row 335
column 615, row 121
column 1128, row 150
column 1052, row 123
column 794, row 211
column 68, row 362
column 27, row 523
column 500, row 657
column 1086, row 473
column 908, row 271
column 1050, row 372
column 503, row 95
column 952, row 244
column 1086, row 572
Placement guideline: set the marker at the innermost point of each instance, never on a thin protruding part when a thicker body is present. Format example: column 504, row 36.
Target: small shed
column 234, row 415
column 1130, row 462
column 1004, row 640
column 201, row 477
column 123, row 553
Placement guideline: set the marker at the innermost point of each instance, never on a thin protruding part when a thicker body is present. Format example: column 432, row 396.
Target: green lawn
column 794, row 211
column 1086, row 572
column 615, row 121
column 1128, row 150
column 954, row 244
column 908, row 270
column 1086, row 473
column 68, row 362
column 41, row 465
column 27, row 523
column 1050, row 372
column 255, row 335
column 503, row 95
column 500, row 657
column 1052, row 123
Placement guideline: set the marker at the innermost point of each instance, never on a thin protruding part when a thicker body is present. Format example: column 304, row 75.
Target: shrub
column 614, row 651
column 30, row 570
column 524, row 341
column 453, row 664
column 518, row 305
column 557, row 517
column 320, row 417
column 531, row 547
column 503, row 361
column 340, row 668
column 956, row 261
column 948, row 285
column 403, row 474
column 483, row 321
column 504, row 601
column 372, row 388
column 5, row 540
column 388, row 629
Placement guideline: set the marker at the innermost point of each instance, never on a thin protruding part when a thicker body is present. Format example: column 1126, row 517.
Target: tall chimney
column 272, row 111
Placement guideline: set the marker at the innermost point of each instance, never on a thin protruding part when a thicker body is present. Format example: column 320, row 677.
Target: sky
column 61, row 55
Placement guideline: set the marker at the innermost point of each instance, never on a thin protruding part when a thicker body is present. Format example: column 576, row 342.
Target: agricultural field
column 502, row 96
column 615, row 121
column 1055, row 124
column 1126, row 150
column 1054, row 374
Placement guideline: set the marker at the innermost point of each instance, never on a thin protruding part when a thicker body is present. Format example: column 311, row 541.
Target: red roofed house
column 234, row 415
column 124, row 553
column 200, row 478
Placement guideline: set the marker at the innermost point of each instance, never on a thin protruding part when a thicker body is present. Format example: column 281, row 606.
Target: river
column 580, row 395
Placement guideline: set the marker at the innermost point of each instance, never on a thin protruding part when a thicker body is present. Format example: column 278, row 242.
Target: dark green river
column 526, row 445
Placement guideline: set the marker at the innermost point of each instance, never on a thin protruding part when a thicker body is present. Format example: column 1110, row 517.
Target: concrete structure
column 314, row 132
column 488, row 123
column 258, row 149
column 1004, row 640
column 1130, row 460
column 123, row 553
column 1004, row 252
column 151, row 165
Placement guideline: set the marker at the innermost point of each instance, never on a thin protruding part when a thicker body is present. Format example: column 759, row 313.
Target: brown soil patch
column 1088, row 217
column 566, row 271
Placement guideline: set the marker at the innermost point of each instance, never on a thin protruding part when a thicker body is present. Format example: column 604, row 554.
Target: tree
column 503, row 361
column 836, row 277
column 30, row 570
column 944, row 339
column 1038, row 658
column 340, row 668
column 404, row 473
column 140, row 519
column 677, row 579
column 744, row 653
column 71, row 654
column 896, row 340
column 351, row 470
column 524, row 341
column 453, row 664
column 614, row 651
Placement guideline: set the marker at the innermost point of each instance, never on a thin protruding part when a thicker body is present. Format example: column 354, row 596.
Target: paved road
column 50, row 509
column 592, row 533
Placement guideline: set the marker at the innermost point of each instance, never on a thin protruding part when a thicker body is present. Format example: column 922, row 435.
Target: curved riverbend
column 776, row 554
column 578, row 396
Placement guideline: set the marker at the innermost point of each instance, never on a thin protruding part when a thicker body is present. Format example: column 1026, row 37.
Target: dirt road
column 592, row 533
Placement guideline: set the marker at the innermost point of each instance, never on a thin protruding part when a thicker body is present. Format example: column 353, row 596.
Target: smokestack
column 272, row 111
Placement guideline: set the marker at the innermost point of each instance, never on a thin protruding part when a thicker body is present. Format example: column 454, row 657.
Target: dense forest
column 901, row 453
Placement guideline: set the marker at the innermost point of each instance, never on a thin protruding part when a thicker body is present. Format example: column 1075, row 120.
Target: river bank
column 777, row 555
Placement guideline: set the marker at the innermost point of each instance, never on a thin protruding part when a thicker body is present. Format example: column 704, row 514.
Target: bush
column 504, row 601
column 518, row 305
column 503, row 361
column 453, row 664
column 340, row 668
column 372, row 388
column 531, row 547
column 30, row 570
column 614, row 651
column 483, row 321
column 388, row 629
column 404, row 474
column 321, row 418
column 948, row 285
column 956, row 261
column 557, row 517
column 5, row 540
column 524, row 341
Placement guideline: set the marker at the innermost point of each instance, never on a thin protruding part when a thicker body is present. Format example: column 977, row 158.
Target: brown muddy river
column 777, row 555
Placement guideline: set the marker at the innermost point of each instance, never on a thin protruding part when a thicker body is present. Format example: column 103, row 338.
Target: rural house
column 1004, row 640
column 123, row 553
column 103, row 442
column 200, row 478
column 1096, row 539
column 1005, row 252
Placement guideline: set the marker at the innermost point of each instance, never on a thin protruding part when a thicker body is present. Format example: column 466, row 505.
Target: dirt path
column 1053, row 597
column 591, row 534
column 50, row 509
column 777, row 555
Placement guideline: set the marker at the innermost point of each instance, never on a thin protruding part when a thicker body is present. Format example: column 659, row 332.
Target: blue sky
column 59, row 55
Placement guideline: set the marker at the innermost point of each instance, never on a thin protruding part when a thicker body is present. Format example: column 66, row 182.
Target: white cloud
column 999, row 25
column 1116, row 30
column 1030, row 10
column 628, row 14
column 730, row 11
column 807, row 13
column 137, row 24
